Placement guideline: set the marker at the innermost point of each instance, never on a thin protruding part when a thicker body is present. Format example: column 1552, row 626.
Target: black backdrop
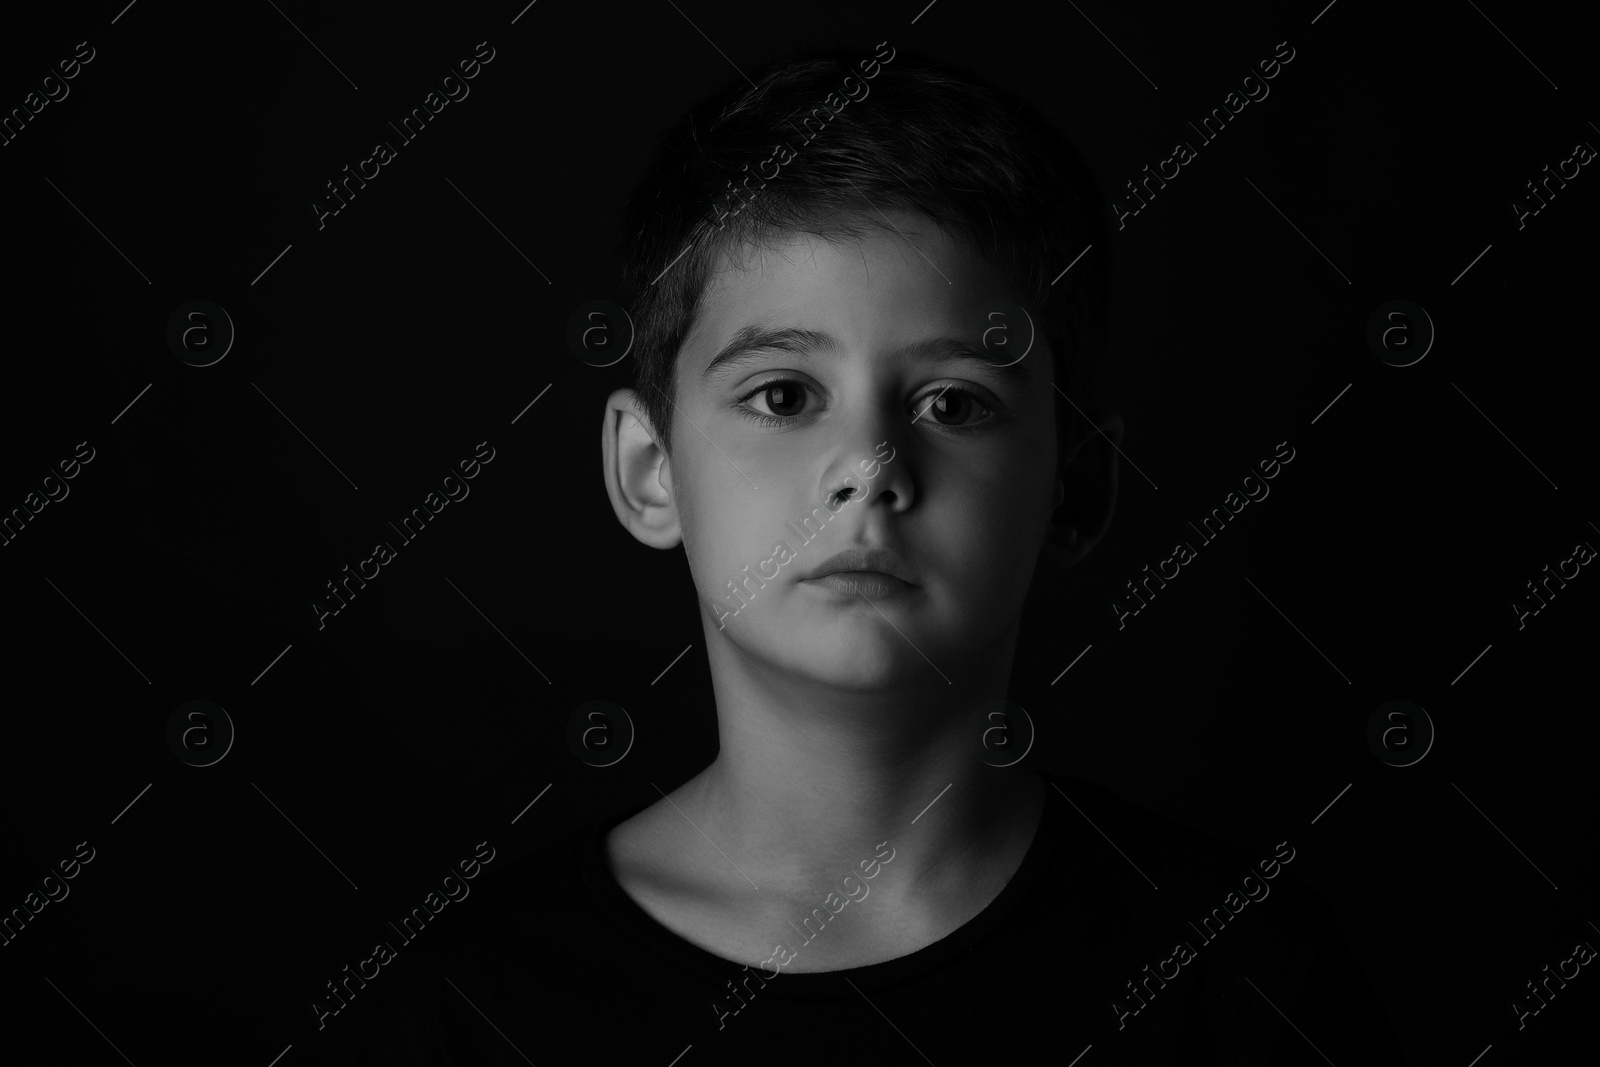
column 423, row 318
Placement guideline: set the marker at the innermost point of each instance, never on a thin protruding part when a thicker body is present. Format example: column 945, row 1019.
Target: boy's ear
column 1087, row 496
column 637, row 472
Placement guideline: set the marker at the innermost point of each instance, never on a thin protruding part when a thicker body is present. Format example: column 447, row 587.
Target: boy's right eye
column 783, row 397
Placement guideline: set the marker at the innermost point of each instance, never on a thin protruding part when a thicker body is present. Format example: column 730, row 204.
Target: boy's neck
column 797, row 828
column 810, row 780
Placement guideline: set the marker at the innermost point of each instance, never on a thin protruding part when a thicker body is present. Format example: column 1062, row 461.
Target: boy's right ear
column 638, row 473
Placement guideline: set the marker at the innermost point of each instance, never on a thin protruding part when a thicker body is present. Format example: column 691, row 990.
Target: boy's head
column 845, row 228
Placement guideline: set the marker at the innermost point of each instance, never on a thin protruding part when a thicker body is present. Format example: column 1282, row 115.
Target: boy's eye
column 778, row 401
column 950, row 407
column 783, row 397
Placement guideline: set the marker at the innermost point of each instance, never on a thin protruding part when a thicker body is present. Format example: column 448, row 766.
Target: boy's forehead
column 887, row 285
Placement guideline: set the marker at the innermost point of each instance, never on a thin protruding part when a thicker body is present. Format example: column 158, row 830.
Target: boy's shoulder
column 530, row 916
column 1246, row 920
column 1165, row 883
column 1176, row 860
column 1103, row 811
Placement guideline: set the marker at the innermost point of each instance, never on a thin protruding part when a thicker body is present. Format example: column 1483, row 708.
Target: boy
column 865, row 483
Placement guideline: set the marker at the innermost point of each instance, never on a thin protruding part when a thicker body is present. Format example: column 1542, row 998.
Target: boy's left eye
column 949, row 406
column 949, row 403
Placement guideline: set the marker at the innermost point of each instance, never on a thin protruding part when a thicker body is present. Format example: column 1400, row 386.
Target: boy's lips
column 869, row 584
column 865, row 572
column 858, row 562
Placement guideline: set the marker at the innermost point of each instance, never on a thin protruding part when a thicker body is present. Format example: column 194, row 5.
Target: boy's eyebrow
column 750, row 342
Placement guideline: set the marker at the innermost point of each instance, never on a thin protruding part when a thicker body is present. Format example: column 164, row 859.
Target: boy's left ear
column 1086, row 496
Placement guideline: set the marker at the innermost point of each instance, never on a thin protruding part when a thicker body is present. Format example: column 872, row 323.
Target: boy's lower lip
column 872, row 584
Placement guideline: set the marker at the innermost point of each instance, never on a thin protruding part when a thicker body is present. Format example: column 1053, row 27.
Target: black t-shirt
column 1226, row 959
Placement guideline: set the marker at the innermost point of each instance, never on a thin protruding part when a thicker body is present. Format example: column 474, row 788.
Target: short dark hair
column 924, row 137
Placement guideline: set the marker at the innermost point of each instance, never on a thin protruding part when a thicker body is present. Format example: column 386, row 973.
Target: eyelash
column 783, row 420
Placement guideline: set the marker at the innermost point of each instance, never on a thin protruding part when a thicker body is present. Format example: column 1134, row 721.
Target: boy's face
column 960, row 490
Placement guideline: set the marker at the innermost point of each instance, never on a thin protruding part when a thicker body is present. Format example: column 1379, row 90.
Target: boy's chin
column 853, row 655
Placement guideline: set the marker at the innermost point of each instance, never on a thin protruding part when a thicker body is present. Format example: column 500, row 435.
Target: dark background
column 408, row 330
